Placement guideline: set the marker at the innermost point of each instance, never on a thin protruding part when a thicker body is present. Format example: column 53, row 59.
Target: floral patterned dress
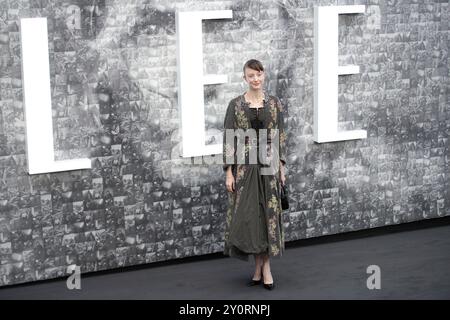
column 254, row 221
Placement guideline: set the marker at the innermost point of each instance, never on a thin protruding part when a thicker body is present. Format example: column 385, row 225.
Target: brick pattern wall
column 113, row 73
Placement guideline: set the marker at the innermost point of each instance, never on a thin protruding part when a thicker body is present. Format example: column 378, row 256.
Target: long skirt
column 254, row 216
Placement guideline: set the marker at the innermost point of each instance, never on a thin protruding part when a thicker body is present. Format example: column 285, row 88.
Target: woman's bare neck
column 252, row 96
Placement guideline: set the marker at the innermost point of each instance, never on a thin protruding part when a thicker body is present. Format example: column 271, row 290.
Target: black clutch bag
column 284, row 196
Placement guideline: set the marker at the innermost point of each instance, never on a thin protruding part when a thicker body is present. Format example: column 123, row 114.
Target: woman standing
column 254, row 216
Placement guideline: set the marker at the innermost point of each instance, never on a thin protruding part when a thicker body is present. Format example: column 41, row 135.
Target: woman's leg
column 258, row 266
column 267, row 274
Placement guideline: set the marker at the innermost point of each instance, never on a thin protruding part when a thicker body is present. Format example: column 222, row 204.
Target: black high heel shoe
column 268, row 286
column 254, row 282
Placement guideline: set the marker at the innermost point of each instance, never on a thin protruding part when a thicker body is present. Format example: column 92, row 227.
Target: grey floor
column 415, row 264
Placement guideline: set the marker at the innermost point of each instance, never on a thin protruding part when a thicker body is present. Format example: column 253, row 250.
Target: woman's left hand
column 282, row 176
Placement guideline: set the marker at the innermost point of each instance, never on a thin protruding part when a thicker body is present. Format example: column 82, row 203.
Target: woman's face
column 254, row 78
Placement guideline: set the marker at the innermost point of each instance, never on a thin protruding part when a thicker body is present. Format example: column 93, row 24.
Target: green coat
column 254, row 222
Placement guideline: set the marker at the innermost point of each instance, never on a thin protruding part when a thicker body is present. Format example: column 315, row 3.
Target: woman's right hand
column 230, row 182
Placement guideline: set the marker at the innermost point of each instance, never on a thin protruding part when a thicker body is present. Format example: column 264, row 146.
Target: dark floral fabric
column 244, row 204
